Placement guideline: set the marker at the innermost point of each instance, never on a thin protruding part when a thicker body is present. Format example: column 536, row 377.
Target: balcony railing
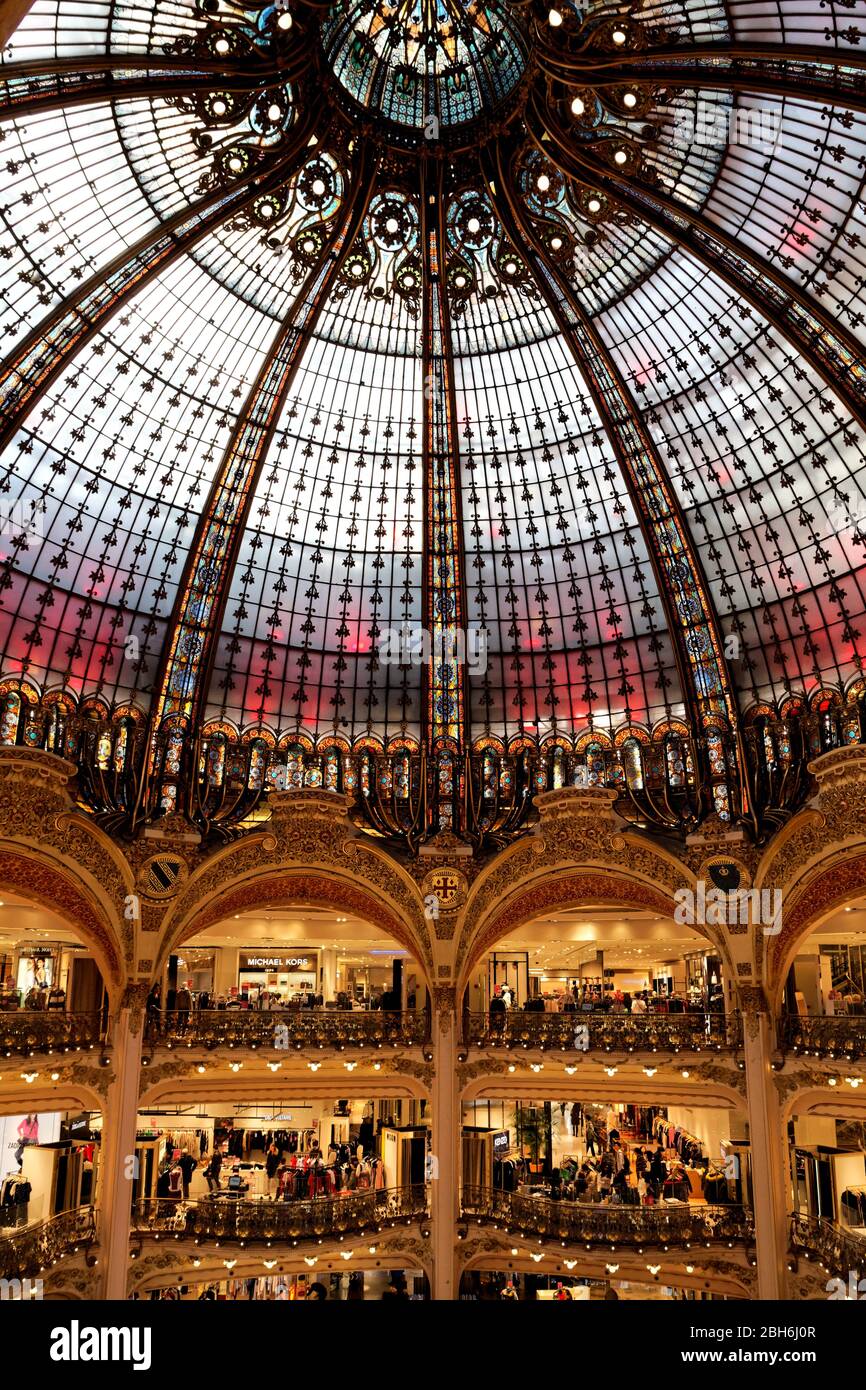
column 837, row 1248
column 843, row 1037
column 31, row 1249
column 606, row 1032
column 589, row 1223
column 225, row 1218
column 286, row 1030
column 25, row 1032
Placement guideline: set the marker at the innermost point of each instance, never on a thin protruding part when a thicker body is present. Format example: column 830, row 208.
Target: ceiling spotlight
column 650, row 1071
column 569, row 1264
column 274, row 1066
column 311, row 1260
column 269, row 1264
column 537, row 1066
column 611, row 1269
column 618, row 37
column 653, row 1269
column 222, row 45
column 594, row 205
column 536, row 1256
column 236, row 163
column 350, row 1066
column 219, row 108
column 29, row 1076
column 556, row 243
column 685, row 1075
column 620, row 157
column 473, row 226
column 514, row 1250
column 235, row 1066
column 229, row 1264
column 611, row 1071
column 285, row 21
column 542, row 183
column 570, row 1070
column 319, row 187
column 629, row 100
column 555, row 18
column 314, row 1066
column 347, row 1254
column 578, row 106
column 274, row 112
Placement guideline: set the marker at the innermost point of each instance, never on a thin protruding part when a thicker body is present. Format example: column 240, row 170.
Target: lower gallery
column 432, row 805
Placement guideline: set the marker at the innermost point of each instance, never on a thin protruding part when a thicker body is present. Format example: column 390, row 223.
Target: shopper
column 272, row 1164
column 212, row 1171
column 187, row 1165
column 317, row 1292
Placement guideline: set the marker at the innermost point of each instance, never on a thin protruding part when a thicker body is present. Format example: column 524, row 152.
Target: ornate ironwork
column 26, row 1032
column 840, row 1250
column 225, row 1218
column 843, row 1037
column 33, row 1249
column 590, row 1224
column 605, row 1032
column 286, row 1030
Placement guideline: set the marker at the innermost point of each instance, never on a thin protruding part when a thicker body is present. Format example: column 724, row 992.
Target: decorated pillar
column 444, row 1194
column 766, row 1141
column 119, row 1127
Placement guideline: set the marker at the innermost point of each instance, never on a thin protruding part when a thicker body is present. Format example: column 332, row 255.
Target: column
column 329, row 974
column 119, row 1127
column 444, row 1195
column 766, row 1139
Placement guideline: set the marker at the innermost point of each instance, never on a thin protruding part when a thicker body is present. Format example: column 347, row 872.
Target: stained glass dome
column 424, row 64
column 584, row 389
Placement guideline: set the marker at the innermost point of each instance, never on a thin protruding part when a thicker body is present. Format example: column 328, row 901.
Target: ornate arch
column 825, row 892
column 36, row 875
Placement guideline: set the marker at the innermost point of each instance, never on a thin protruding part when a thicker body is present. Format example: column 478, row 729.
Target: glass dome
column 425, row 64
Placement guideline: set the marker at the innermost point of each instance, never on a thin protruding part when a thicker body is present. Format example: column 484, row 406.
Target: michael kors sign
column 254, row 960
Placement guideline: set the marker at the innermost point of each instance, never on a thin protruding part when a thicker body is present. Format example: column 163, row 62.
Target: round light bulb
column 629, row 99
column 510, row 267
column 594, row 205
column 618, row 36
column 473, row 225
column 555, row 18
column 284, row 21
column 620, row 157
column 542, row 183
column 222, row 45
column 274, row 112
column 236, row 163
column 460, row 281
column 219, row 108
column 318, row 187
column 556, row 243
column 392, row 225
column 578, row 106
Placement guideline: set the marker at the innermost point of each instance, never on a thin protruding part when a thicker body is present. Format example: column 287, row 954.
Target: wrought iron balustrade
column 590, row 1223
column 28, row 1250
column 606, row 1032
column 25, row 1032
column 226, row 1218
column 131, row 775
column 843, row 1037
column 834, row 1246
column 286, row 1030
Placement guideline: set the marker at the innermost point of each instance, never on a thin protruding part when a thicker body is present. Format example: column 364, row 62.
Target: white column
column 329, row 974
column 444, row 1194
column 119, row 1127
column 769, row 1159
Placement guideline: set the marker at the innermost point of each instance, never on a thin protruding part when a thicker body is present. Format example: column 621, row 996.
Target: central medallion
column 426, row 67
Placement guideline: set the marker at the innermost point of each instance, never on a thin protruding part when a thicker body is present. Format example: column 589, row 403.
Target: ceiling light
column 556, row 243
column 219, row 108
column 284, row 21
column 542, row 183
column 314, row 1066
column 274, row 112
column 311, row 1260
column 611, row 1071
column 620, row 157
column 653, row 1269
column 222, row 45
column 629, row 100
column 537, row 1257
column 235, row 1066
column 611, row 1269
column 594, row 205
column 618, row 36
column 555, row 18
column 473, row 226
column 578, row 106
column 319, row 187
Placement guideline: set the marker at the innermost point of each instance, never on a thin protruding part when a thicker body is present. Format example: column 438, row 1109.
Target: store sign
column 501, row 1144
column 77, row 1126
column 254, row 960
